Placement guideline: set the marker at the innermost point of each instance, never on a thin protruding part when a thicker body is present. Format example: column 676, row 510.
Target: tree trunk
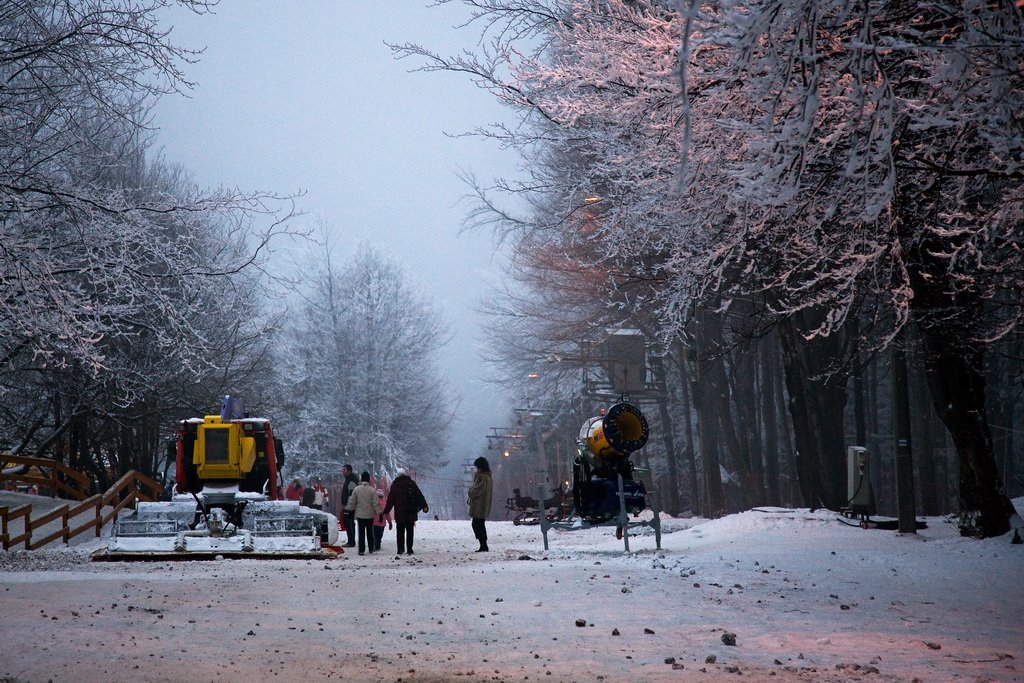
column 958, row 392
column 817, row 399
column 670, row 501
column 770, row 413
column 712, row 491
column 746, row 456
column 924, row 453
column 691, row 450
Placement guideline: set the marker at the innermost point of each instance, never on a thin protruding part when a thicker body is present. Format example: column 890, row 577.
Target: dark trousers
column 404, row 535
column 378, row 536
column 480, row 531
column 365, row 534
column 350, row 526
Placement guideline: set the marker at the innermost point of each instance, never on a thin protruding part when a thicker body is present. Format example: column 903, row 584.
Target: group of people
column 366, row 511
column 315, row 496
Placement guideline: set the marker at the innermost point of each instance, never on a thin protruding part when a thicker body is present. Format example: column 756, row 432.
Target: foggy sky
column 305, row 96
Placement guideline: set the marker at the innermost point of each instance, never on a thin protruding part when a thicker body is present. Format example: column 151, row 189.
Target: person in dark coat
column 480, row 500
column 308, row 496
column 347, row 487
column 406, row 499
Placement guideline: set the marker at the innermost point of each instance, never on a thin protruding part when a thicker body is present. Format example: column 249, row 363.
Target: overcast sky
column 305, row 96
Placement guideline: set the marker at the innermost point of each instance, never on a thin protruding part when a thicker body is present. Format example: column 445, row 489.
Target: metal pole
column 544, row 523
column 623, row 517
column 656, row 520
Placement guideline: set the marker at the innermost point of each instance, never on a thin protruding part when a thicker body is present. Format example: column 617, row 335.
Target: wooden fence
column 132, row 487
column 53, row 478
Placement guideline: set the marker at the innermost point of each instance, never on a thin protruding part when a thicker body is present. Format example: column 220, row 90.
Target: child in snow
column 379, row 521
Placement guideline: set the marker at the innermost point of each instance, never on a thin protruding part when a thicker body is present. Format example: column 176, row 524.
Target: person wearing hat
column 365, row 506
column 379, row 521
column 480, row 500
column 406, row 499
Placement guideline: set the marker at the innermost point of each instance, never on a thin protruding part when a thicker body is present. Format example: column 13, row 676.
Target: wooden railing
column 132, row 487
column 55, row 478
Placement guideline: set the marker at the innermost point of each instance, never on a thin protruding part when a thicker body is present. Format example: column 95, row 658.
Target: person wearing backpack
column 406, row 499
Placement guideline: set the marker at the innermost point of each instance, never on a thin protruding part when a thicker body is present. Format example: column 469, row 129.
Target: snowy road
column 807, row 599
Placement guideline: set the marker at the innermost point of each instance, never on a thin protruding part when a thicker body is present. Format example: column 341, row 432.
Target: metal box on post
column 860, row 495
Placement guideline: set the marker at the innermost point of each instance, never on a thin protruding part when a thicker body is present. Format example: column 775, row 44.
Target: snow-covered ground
column 805, row 597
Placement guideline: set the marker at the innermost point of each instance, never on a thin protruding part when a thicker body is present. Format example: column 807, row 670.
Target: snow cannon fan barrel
column 622, row 430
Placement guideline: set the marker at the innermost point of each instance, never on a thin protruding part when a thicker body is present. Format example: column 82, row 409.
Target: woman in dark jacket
column 406, row 499
column 480, row 500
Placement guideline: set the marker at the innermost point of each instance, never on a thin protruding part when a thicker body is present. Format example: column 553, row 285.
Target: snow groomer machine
column 226, row 505
column 605, row 486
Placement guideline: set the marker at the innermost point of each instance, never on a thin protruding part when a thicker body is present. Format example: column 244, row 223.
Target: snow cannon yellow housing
column 617, row 434
column 224, row 450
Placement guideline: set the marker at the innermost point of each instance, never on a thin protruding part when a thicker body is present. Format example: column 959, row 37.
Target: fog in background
column 306, row 97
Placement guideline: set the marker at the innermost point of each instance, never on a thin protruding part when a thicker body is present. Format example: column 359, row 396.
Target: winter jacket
column 293, row 492
column 406, row 499
column 320, row 495
column 308, row 496
column 480, row 495
column 364, row 501
column 382, row 519
column 351, row 481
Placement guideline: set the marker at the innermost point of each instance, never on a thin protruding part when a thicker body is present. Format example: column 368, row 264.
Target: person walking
column 347, row 487
column 480, row 500
column 406, row 499
column 365, row 506
column 379, row 521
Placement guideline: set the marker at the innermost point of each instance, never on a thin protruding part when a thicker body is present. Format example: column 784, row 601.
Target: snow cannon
column 605, row 445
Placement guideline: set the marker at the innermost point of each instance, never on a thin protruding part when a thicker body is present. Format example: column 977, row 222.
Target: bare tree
column 359, row 367
column 123, row 289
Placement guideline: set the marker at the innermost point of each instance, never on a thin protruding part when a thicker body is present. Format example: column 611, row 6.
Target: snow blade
column 241, row 527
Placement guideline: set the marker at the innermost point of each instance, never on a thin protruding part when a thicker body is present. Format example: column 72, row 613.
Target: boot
column 483, row 547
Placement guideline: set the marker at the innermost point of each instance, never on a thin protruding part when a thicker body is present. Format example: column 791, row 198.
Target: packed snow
column 770, row 594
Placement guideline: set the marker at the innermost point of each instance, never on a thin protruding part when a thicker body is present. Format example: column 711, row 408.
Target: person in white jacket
column 366, row 505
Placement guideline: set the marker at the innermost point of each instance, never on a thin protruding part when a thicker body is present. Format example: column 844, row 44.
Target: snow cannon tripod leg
column 544, row 523
column 623, row 517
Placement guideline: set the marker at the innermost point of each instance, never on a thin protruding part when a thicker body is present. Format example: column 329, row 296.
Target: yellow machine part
column 617, row 434
column 223, row 450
